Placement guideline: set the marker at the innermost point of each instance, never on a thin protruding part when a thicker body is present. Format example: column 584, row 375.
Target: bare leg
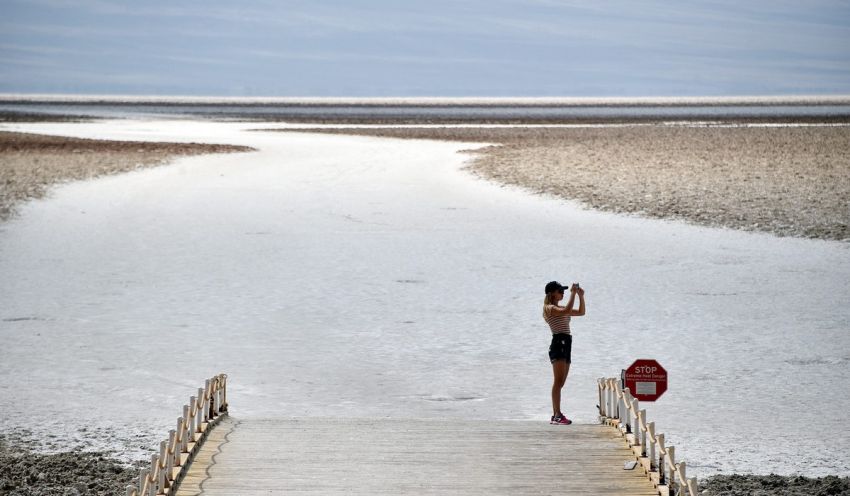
column 560, row 369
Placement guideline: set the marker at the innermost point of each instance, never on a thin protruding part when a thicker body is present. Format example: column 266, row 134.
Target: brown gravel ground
column 790, row 181
column 24, row 473
column 774, row 485
column 30, row 163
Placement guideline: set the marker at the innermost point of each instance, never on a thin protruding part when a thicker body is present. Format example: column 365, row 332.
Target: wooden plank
column 407, row 456
column 197, row 470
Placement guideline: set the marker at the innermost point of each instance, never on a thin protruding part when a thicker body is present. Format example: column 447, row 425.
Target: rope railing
column 175, row 454
column 617, row 407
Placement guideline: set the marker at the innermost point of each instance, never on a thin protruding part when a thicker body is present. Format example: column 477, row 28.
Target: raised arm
column 580, row 310
column 568, row 309
column 569, row 306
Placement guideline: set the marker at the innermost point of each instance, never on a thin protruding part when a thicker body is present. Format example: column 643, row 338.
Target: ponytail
column 546, row 302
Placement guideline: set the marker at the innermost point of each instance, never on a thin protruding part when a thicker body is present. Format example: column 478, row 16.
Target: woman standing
column 558, row 318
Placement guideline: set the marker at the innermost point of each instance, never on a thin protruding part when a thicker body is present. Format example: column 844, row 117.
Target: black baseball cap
column 555, row 286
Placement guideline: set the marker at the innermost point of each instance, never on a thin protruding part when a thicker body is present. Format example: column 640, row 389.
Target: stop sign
column 646, row 379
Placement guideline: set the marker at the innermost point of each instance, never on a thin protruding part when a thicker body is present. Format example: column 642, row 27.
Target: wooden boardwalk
column 404, row 456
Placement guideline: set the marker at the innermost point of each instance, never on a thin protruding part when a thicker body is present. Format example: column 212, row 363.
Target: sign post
column 646, row 379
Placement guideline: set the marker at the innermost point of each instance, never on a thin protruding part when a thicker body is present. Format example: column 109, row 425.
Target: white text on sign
column 646, row 369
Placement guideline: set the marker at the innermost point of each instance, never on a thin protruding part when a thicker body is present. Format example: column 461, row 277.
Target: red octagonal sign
column 646, row 380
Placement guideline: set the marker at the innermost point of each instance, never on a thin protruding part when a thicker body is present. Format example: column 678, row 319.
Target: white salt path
column 368, row 278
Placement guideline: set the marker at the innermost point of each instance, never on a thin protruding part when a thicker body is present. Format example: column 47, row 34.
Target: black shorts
column 561, row 348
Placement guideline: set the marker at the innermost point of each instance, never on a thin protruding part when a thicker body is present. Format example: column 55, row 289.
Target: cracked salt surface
column 365, row 277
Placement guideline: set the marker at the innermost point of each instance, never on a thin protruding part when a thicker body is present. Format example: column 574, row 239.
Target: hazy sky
column 425, row 48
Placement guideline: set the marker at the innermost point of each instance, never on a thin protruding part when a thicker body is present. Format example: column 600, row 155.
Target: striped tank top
column 559, row 324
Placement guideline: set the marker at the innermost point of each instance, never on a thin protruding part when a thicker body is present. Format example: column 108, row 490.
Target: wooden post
column 652, row 441
column 163, row 457
column 192, row 414
column 641, row 424
column 618, row 408
column 636, row 429
column 607, row 398
column 212, row 412
column 143, row 477
column 154, row 475
column 181, row 438
column 671, row 454
column 628, row 417
column 217, row 395
column 621, row 395
column 612, row 394
column 172, row 450
column 207, row 402
column 187, row 411
column 662, row 471
column 191, row 423
column 599, row 395
column 200, row 408
column 618, row 398
column 693, row 486
column 223, row 391
column 184, row 431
